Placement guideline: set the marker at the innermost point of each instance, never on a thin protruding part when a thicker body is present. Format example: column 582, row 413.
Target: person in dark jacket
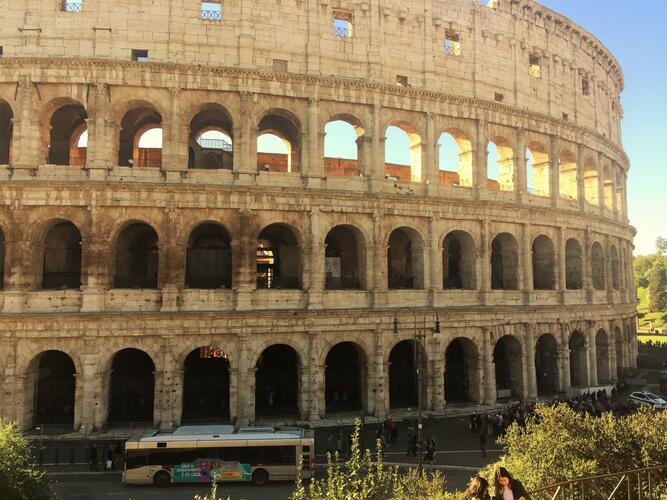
column 508, row 488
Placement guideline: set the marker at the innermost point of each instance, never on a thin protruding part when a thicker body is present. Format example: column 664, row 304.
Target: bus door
column 307, row 460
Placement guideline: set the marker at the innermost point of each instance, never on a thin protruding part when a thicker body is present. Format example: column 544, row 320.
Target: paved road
column 458, row 455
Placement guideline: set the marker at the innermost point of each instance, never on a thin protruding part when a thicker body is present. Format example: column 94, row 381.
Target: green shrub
column 19, row 480
column 559, row 445
column 364, row 477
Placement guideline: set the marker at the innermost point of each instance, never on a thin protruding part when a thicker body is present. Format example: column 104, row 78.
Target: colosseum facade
column 203, row 279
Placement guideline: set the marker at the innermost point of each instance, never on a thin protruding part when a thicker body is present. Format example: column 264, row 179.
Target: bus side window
column 135, row 459
column 242, row 455
column 277, row 455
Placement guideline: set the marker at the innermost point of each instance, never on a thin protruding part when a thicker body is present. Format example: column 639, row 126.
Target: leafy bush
column 364, row 477
column 19, row 480
column 559, row 445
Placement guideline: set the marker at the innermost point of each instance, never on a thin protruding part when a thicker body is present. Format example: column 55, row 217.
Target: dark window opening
column 137, row 257
column 402, row 379
column 62, row 257
column 209, row 258
column 277, row 382
column 344, row 381
column 139, row 55
column 67, row 136
column 402, row 80
column 504, row 263
column 132, row 387
column 342, row 259
column 205, row 388
column 55, row 386
column 452, row 44
column 278, row 259
column 534, row 66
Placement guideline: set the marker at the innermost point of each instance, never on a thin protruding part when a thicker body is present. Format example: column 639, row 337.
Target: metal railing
column 72, row 6
column 215, row 144
column 637, row 484
column 341, row 31
column 211, row 15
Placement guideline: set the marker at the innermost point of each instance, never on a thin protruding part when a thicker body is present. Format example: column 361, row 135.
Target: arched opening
column 62, row 257
column 140, row 142
column 504, row 262
column 402, row 377
column 278, row 258
column 344, row 378
column 462, row 371
column 500, row 164
column 209, row 258
column 618, row 337
column 544, row 264
column 620, row 191
column 597, row 266
column 458, row 261
column 454, row 159
column 591, row 190
column 278, row 142
column 546, row 365
column 2, row 260
column 403, row 153
column 344, row 259
column 615, row 268
column 508, row 360
column 537, row 169
column 210, row 144
column 404, row 260
column 578, row 361
column 6, row 131
column 206, row 386
column 68, row 123
column 608, row 188
column 132, row 388
column 568, row 178
column 602, row 357
column 625, row 269
column 574, row 261
column 137, row 257
column 54, row 389
column 343, row 147
column 277, row 382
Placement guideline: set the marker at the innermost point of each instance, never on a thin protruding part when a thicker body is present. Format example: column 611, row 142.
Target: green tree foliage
column 641, row 265
column 661, row 245
column 364, row 477
column 657, row 287
column 560, row 445
column 18, row 478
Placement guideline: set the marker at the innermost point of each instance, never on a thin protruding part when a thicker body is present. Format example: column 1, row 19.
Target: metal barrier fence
column 649, row 483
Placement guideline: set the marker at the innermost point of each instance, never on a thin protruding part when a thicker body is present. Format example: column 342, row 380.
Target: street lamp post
column 419, row 336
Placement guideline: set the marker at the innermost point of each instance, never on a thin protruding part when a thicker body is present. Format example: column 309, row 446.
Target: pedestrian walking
column 482, row 443
column 92, row 457
column 393, row 429
column 108, row 456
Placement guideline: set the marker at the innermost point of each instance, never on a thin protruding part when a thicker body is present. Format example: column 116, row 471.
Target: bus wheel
column 260, row 477
column 161, row 479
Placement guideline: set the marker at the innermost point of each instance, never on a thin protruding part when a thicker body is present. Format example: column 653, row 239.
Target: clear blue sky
column 636, row 33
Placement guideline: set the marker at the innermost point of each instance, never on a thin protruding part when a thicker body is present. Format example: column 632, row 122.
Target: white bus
column 201, row 453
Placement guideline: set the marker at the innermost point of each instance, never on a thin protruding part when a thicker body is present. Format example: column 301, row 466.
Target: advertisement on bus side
column 202, row 470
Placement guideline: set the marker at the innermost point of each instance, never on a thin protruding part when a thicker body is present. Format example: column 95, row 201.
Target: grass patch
column 657, row 320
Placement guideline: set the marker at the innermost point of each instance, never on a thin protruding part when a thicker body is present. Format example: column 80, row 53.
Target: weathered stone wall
column 195, row 63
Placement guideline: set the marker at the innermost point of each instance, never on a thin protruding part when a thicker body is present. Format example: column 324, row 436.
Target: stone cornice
column 482, row 106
